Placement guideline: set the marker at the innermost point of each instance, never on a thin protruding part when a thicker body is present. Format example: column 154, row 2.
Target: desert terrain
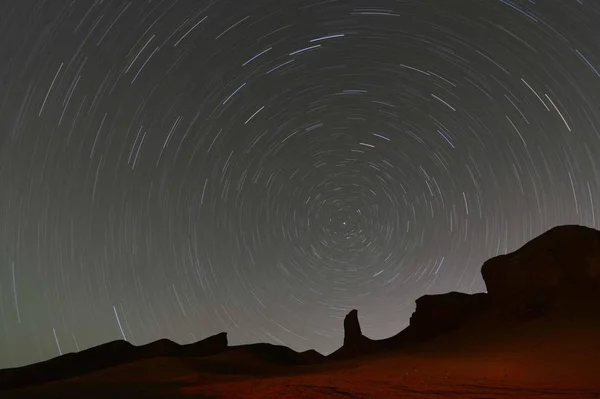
column 500, row 375
column 535, row 333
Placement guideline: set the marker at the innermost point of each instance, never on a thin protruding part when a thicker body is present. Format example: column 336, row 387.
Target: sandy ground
column 410, row 377
column 401, row 376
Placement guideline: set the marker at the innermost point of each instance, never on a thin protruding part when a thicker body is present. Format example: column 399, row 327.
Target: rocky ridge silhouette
column 555, row 275
column 104, row 356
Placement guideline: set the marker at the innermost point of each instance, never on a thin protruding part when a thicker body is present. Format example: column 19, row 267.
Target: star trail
column 181, row 168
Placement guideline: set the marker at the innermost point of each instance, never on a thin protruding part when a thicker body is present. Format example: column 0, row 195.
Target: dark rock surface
column 436, row 314
column 209, row 346
column 278, row 354
column 554, row 275
column 355, row 343
column 558, row 271
column 104, row 356
column 352, row 331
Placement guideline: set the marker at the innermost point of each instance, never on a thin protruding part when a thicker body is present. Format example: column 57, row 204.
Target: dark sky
column 181, row 168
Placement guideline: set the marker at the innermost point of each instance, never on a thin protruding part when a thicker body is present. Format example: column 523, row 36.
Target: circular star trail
column 181, row 168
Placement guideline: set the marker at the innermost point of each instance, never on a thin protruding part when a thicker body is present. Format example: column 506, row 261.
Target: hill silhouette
column 536, row 297
column 104, row 356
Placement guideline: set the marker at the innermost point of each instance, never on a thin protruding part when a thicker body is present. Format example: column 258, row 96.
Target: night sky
column 181, row 168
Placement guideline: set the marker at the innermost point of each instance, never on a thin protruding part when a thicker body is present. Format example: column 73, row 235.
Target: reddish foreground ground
column 402, row 376
column 534, row 367
column 424, row 377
